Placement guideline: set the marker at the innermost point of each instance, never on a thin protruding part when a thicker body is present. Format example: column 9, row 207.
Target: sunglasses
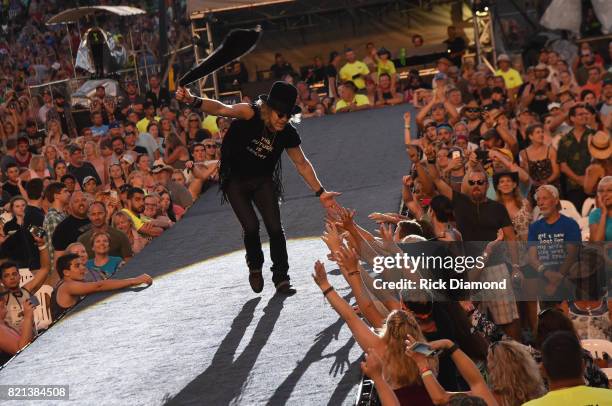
column 473, row 110
column 476, row 182
column 193, row 121
column 214, row 146
column 282, row 115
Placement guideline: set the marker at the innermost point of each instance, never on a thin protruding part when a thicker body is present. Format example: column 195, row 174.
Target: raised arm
column 431, row 174
column 216, row 108
column 349, row 266
column 362, row 333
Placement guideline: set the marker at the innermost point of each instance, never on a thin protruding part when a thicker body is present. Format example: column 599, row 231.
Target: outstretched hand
column 328, row 200
column 347, row 260
column 320, row 275
column 331, row 237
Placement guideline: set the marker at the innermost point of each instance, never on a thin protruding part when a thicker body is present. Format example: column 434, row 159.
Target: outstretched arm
column 85, row 288
column 216, row 108
column 362, row 333
column 306, row 170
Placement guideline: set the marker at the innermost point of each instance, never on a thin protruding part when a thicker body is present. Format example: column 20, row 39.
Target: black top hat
column 282, row 98
column 497, row 176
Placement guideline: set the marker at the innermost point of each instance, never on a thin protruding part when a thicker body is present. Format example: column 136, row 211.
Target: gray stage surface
column 199, row 335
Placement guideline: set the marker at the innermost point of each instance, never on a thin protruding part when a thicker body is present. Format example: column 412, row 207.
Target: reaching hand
column 407, row 116
column 407, row 181
column 320, row 275
column 347, row 259
column 346, row 217
column 386, row 233
column 373, row 365
column 331, row 237
column 328, row 200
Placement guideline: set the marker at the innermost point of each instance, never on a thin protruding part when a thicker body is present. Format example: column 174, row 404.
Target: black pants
column 242, row 193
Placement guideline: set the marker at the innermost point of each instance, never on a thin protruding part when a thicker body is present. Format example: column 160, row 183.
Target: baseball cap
column 88, row 178
column 554, row 105
column 128, row 158
column 503, row 57
column 541, row 66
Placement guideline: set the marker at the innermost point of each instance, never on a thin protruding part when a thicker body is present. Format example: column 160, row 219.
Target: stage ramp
column 199, row 335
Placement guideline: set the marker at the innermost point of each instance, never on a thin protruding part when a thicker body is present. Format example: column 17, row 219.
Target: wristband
column 326, row 291
column 424, row 369
column 431, row 161
column 541, row 268
column 43, row 247
column 196, row 103
column 452, row 349
column 426, row 373
column 319, row 192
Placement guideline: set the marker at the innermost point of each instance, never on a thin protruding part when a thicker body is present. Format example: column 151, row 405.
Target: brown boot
column 256, row 280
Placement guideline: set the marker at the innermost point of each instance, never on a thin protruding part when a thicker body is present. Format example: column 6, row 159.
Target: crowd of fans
column 514, row 165
column 521, row 156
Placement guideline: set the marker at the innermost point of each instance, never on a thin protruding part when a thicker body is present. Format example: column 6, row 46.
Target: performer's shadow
column 225, row 378
column 342, row 365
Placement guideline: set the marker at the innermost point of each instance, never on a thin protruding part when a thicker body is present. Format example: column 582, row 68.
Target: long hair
column 400, row 370
column 514, row 374
column 516, row 196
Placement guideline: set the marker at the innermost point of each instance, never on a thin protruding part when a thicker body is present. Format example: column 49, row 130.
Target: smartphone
column 34, row 301
column 424, row 349
column 37, row 231
column 456, row 154
column 113, row 194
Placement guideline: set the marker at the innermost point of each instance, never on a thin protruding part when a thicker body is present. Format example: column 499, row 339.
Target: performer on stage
column 250, row 172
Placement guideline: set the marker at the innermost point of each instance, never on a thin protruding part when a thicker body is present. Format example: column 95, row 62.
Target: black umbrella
column 236, row 44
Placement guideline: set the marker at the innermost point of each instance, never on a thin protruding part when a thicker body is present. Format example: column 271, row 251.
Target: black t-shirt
column 19, row 245
column 249, row 149
column 12, row 190
column 34, row 215
column 81, row 172
column 330, row 72
column 479, row 222
column 68, row 231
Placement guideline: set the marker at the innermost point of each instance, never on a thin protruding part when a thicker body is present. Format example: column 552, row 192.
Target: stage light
column 480, row 7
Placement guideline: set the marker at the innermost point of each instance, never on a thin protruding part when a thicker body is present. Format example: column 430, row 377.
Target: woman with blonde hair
column 514, row 376
column 401, row 372
column 51, row 155
column 123, row 223
column 54, row 133
column 37, row 167
column 91, row 150
column 136, row 179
